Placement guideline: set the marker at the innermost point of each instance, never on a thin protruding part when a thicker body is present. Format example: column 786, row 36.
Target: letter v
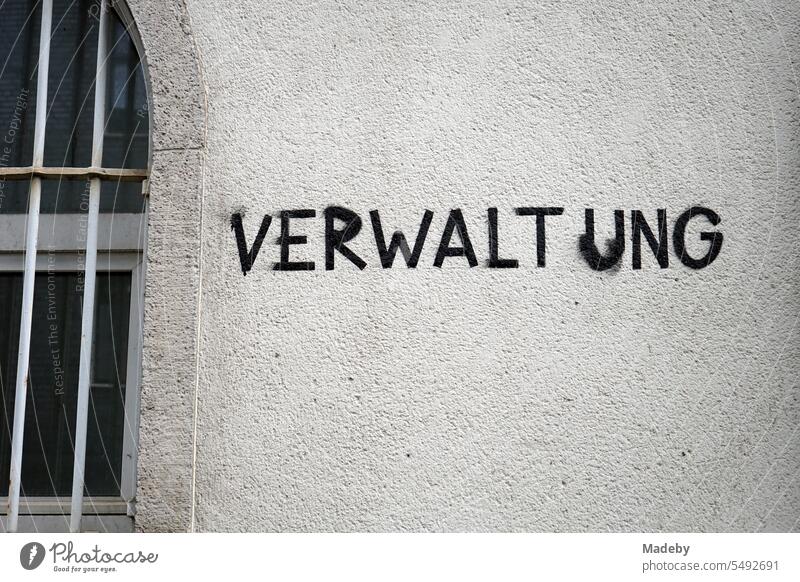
column 247, row 258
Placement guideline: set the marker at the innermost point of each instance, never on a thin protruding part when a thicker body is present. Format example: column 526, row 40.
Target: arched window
column 74, row 150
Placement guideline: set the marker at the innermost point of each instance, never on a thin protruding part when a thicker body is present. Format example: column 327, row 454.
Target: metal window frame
column 29, row 264
column 108, row 262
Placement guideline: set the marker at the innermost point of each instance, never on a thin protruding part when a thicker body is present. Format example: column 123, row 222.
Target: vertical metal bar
column 31, row 241
column 41, row 83
column 87, row 323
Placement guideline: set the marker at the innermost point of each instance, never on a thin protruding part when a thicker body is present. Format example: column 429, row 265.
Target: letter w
column 399, row 241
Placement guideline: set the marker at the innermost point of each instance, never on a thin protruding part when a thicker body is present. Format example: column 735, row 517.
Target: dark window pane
column 126, row 140
column 70, row 83
column 121, row 197
column 65, row 196
column 52, row 398
column 19, row 55
column 19, row 51
column 14, row 196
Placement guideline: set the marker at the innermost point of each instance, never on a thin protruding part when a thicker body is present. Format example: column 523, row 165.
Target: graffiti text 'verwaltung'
column 343, row 225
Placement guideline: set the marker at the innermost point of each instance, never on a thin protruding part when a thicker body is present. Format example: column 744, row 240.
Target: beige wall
column 555, row 398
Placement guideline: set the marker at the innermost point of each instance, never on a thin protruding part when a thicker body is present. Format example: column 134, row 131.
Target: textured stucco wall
column 172, row 291
column 476, row 399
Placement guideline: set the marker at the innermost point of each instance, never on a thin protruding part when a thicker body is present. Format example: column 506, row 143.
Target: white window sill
column 51, row 514
column 60, row 524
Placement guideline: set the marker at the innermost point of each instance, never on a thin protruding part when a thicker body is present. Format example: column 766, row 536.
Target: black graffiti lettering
column 335, row 239
column 247, row 258
column 455, row 221
column 541, row 236
column 399, row 241
column 343, row 225
column 639, row 226
column 495, row 262
column 616, row 247
column 286, row 240
column 679, row 238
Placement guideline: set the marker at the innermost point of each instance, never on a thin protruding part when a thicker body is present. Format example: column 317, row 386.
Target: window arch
column 73, row 206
